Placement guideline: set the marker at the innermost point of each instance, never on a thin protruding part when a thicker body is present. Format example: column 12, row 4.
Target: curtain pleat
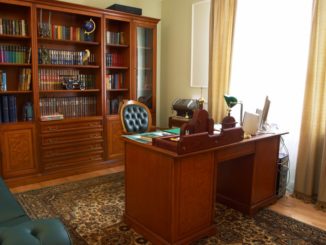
column 310, row 180
column 220, row 46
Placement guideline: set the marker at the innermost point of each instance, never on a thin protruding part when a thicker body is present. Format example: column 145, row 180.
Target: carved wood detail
column 18, row 154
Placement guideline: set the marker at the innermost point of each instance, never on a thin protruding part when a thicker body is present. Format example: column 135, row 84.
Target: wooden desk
column 170, row 198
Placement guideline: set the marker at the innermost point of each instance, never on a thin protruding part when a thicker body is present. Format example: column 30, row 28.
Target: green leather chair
column 16, row 228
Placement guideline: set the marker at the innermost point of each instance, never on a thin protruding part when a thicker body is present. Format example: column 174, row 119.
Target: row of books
column 113, row 104
column 8, row 108
column 25, row 77
column 16, row 54
column 60, row 32
column 65, row 57
column 113, row 59
column 115, row 37
column 3, row 80
column 13, row 27
column 115, row 80
column 52, row 79
column 68, row 106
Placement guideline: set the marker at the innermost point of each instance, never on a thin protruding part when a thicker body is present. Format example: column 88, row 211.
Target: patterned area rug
column 92, row 211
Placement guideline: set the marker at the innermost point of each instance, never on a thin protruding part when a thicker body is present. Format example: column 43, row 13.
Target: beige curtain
column 221, row 35
column 310, row 180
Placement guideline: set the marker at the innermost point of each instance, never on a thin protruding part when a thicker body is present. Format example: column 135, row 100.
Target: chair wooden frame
column 127, row 103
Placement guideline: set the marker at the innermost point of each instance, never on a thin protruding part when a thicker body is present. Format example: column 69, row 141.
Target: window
column 270, row 56
column 200, row 44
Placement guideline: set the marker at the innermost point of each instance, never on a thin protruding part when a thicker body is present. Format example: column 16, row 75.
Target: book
column 5, row 108
column 52, row 117
column 12, row 108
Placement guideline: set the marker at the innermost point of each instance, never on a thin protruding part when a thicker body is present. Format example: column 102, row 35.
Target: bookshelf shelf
column 13, row 37
column 16, row 92
column 144, row 48
column 69, row 91
column 117, row 90
column 73, row 120
column 69, row 66
column 65, row 42
column 15, row 64
column 117, row 68
column 117, row 45
column 144, row 68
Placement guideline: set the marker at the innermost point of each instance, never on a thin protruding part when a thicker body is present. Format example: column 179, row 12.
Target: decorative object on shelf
column 44, row 56
column 70, row 83
column 3, row 80
column 229, row 121
column 89, row 27
column 28, row 112
column 44, row 28
column 86, row 56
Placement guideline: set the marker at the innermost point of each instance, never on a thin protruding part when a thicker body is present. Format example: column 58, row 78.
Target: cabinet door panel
column 115, row 144
column 18, row 155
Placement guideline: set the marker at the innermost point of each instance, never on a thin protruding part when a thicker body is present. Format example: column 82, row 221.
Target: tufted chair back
column 135, row 117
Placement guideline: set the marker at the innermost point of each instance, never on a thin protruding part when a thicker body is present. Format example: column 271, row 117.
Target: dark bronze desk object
column 198, row 134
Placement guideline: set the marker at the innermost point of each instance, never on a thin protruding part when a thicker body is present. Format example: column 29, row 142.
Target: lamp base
column 228, row 122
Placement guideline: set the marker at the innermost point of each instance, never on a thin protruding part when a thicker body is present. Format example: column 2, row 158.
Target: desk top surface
column 145, row 140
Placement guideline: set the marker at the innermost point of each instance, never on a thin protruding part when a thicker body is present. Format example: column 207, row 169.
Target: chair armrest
column 35, row 232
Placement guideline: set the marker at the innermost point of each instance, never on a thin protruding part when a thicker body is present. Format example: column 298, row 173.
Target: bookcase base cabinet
column 69, row 143
column 18, row 148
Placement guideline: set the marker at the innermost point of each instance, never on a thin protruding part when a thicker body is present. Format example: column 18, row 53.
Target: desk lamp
column 229, row 121
column 201, row 100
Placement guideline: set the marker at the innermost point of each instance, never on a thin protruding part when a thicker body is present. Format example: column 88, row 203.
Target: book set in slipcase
column 8, row 109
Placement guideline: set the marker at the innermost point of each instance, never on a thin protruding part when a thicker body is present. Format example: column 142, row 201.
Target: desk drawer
column 234, row 152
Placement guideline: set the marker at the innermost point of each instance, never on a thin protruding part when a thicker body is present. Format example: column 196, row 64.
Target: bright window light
column 270, row 57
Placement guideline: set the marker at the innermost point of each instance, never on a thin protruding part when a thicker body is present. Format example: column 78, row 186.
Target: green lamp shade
column 230, row 100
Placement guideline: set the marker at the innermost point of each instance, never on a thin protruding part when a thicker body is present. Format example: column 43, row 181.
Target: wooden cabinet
column 132, row 44
column 72, row 60
column 18, row 148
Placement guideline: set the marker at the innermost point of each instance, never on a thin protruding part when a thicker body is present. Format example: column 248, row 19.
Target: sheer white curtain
column 270, row 56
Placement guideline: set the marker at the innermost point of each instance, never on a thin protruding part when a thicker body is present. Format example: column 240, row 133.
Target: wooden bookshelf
column 52, row 37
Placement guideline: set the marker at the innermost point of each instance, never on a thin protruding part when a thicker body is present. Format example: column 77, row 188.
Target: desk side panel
column 265, row 170
column 148, row 176
column 194, row 194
